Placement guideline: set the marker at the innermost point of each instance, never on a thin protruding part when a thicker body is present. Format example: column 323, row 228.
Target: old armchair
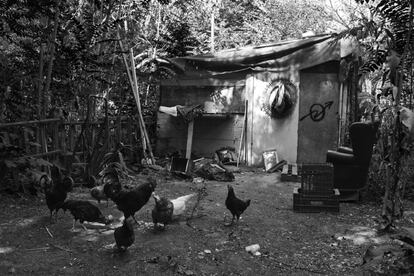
column 351, row 164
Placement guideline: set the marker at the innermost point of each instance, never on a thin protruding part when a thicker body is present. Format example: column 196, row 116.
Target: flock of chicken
column 128, row 201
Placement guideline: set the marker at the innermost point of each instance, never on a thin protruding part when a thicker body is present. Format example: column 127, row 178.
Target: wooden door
column 318, row 116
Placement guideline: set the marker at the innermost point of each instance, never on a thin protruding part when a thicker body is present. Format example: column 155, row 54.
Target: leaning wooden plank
column 189, row 139
column 242, row 133
column 276, row 167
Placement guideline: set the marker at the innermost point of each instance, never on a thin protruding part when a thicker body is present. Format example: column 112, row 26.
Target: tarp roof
column 300, row 54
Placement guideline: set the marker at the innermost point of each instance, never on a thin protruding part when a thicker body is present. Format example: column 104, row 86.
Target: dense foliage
column 386, row 40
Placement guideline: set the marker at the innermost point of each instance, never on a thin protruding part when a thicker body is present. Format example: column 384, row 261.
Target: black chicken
column 163, row 211
column 235, row 205
column 55, row 193
column 129, row 202
column 124, row 235
column 98, row 193
column 84, row 211
column 68, row 183
column 110, row 189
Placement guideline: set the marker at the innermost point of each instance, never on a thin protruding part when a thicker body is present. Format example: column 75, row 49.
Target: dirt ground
column 290, row 243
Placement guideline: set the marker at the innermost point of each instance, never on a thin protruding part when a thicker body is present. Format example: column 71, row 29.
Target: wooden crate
column 291, row 173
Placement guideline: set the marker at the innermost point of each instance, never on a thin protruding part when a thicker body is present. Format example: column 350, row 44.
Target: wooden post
column 130, row 129
column 43, row 139
column 108, row 130
column 63, row 138
column 72, row 133
column 242, row 133
column 190, row 131
column 39, row 95
column 25, row 140
column 118, row 129
column 245, row 136
column 40, row 82
column 55, row 130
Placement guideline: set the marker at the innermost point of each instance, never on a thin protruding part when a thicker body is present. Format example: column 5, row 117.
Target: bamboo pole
column 138, row 102
column 131, row 82
column 134, row 85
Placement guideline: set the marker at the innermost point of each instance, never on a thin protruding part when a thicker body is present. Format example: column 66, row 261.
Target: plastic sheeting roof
column 300, row 54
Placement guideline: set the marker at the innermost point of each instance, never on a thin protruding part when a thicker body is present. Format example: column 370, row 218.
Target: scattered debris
column 226, row 156
column 198, row 180
column 5, row 250
column 253, row 249
column 270, row 159
column 206, row 168
column 47, row 230
column 360, row 235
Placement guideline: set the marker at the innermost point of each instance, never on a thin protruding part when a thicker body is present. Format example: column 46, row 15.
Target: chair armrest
column 345, row 150
column 336, row 157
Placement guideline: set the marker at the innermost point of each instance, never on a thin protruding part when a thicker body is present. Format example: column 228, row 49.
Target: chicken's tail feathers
column 248, row 202
column 187, row 197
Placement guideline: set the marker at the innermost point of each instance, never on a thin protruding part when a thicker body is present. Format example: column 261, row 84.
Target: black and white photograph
column 206, row 137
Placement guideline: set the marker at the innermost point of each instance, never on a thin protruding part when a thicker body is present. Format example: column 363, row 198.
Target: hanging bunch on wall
column 279, row 98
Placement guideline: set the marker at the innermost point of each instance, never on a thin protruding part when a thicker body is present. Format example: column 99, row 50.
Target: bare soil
column 290, row 243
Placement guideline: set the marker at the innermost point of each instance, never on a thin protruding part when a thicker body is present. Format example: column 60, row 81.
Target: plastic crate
column 316, row 193
column 314, row 204
column 316, row 179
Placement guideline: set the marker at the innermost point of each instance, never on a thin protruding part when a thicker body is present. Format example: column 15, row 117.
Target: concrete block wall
column 210, row 133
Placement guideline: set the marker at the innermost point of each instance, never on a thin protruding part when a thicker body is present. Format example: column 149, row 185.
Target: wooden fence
column 54, row 138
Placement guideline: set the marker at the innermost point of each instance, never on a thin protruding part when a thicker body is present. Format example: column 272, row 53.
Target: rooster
column 130, row 202
column 235, row 205
column 124, row 235
column 84, row 211
column 55, row 194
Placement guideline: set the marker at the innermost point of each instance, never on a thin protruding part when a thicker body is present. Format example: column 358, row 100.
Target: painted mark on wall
column 317, row 111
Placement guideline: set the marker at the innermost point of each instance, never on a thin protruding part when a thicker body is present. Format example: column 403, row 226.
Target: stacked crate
column 316, row 193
